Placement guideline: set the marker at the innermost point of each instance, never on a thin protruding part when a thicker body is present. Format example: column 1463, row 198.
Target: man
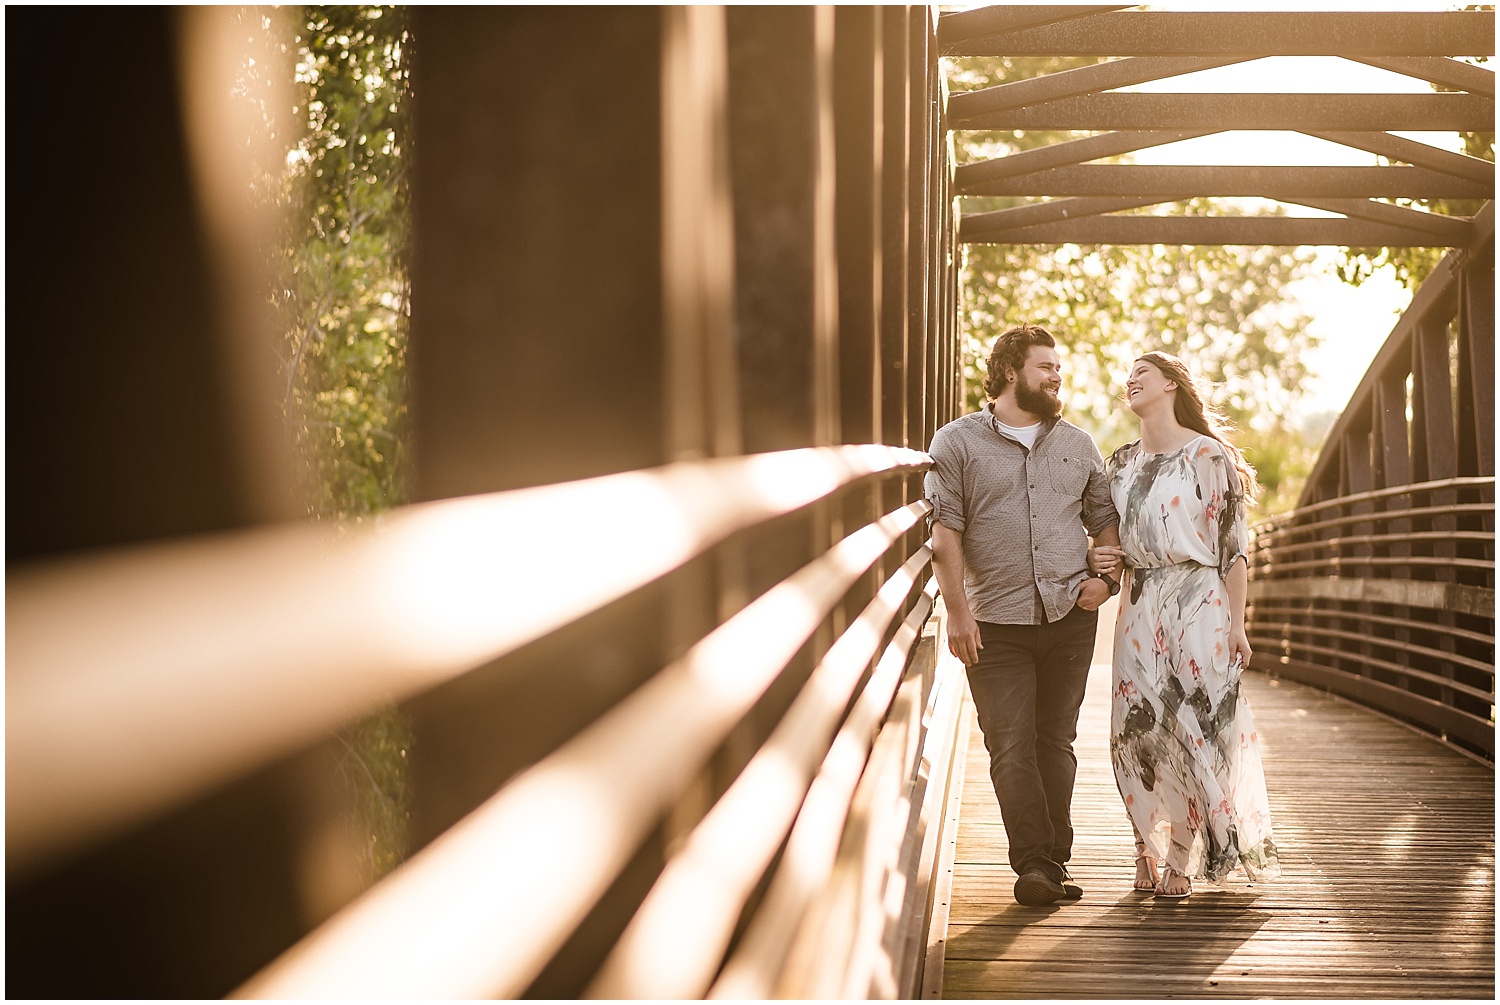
column 1017, row 492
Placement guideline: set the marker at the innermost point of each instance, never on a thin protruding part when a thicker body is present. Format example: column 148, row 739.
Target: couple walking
column 1017, row 494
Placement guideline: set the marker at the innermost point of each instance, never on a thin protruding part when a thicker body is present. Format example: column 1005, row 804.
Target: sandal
column 1150, row 881
column 1166, row 877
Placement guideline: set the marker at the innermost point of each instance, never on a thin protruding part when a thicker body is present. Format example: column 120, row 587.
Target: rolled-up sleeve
column 1098, row 506
column 943, row 484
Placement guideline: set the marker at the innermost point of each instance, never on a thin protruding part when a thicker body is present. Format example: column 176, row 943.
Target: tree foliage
column 1219, row 308
column 332, row 88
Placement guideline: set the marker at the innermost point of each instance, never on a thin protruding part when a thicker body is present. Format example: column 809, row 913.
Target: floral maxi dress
column 1183, row 744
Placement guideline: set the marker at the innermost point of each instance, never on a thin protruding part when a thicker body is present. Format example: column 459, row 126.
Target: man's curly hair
column 1010, row 350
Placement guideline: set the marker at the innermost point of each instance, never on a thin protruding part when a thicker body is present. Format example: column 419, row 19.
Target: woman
column 1181, row 738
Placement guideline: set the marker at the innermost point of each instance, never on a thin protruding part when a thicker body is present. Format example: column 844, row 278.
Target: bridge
column 656, row 644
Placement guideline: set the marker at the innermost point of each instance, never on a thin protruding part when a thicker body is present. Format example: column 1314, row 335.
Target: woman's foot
column 1174, row 885
column 1145, row 869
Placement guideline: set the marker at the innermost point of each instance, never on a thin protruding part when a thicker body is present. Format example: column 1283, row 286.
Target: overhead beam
column 1222, row 33
column 1048, row 212
column 1412, row 152
column 1168, row 180
column 1206, row 230
column 1069, row 152
column 1082, row 80
column 1453, row 231
column 1436, row 70
column 960, row 26
column 1356, row 112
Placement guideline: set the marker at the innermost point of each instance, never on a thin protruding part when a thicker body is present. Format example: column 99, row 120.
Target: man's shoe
column 1037, row 889
column 1071, row 890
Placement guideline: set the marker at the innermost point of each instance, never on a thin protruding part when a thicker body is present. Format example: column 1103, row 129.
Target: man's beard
column 1036, row 401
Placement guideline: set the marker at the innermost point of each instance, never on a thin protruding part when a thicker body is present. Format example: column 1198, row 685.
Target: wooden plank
column 1437, row 70
column 1476, row 600
column 1387, row 844
column 1261, row 33
column 1136, row 110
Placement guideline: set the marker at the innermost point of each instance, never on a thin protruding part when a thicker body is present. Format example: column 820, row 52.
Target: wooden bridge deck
column 1388, row 855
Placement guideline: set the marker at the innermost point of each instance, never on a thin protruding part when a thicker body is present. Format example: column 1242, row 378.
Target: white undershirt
column 1025, row 434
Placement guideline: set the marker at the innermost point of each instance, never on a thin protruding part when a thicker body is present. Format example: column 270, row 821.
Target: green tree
column 332, row 86
column 1219, row 308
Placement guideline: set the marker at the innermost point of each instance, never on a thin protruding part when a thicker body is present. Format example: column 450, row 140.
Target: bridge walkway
column 1388, row 853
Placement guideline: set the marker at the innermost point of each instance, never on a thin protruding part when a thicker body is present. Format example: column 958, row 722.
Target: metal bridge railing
column 140, row 680
column 1380, row 586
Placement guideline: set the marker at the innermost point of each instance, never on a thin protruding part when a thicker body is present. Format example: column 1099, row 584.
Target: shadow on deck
column 1388, row 854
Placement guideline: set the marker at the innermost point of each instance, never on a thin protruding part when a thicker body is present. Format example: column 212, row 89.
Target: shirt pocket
column 1065, row 476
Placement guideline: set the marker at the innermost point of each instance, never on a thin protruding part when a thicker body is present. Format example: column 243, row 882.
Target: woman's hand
column 1239, row 647
column 1107, row 560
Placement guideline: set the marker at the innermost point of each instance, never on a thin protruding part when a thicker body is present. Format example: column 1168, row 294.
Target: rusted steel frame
column 1401, row 670
column 1411, row 710
column 1283, row 521
column 461, row 920
column 429, row 593
column 1066, row 153
column 1454, row 231
column 1154, row 33
column 1356, row 112
column 1437, row 296
column 1481, row 172
column 698, row 897
column 1234, row 230
column 1048, row 212
column 1437, row 70
column 960, row 26
column 1290, row 608
column 1082, row 80
column 1285, row 183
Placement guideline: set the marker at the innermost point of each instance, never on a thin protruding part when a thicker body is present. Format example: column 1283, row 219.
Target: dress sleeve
column 1223, row 503
column 943, row 484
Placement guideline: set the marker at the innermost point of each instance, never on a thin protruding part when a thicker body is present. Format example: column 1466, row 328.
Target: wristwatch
column 1113, row 584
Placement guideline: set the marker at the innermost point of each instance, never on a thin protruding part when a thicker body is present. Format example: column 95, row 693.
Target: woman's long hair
column 1192, row 412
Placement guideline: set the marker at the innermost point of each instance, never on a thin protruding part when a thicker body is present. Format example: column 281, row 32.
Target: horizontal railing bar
column 812, row 846
column 1380, row 664
column 1459, row 598
column 1378, row 641
column 674, row 944
column 1377, row 619
column 1378, row 540
column 1271, row 568
column 139, row 678
column 1383, row 516
column 1393, row 490
column 460, row 920
column 1382, row 697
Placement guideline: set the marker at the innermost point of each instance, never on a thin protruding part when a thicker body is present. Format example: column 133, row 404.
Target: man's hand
column 1092, row 593
column 963, row 637
column 1106, row 560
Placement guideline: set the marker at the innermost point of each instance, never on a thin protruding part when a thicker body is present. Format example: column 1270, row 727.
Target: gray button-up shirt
column 1022, row 513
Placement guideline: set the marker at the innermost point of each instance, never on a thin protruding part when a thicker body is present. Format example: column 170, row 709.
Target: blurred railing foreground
column 654, row 648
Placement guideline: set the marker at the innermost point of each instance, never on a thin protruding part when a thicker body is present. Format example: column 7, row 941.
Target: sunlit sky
column 1350, row 322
